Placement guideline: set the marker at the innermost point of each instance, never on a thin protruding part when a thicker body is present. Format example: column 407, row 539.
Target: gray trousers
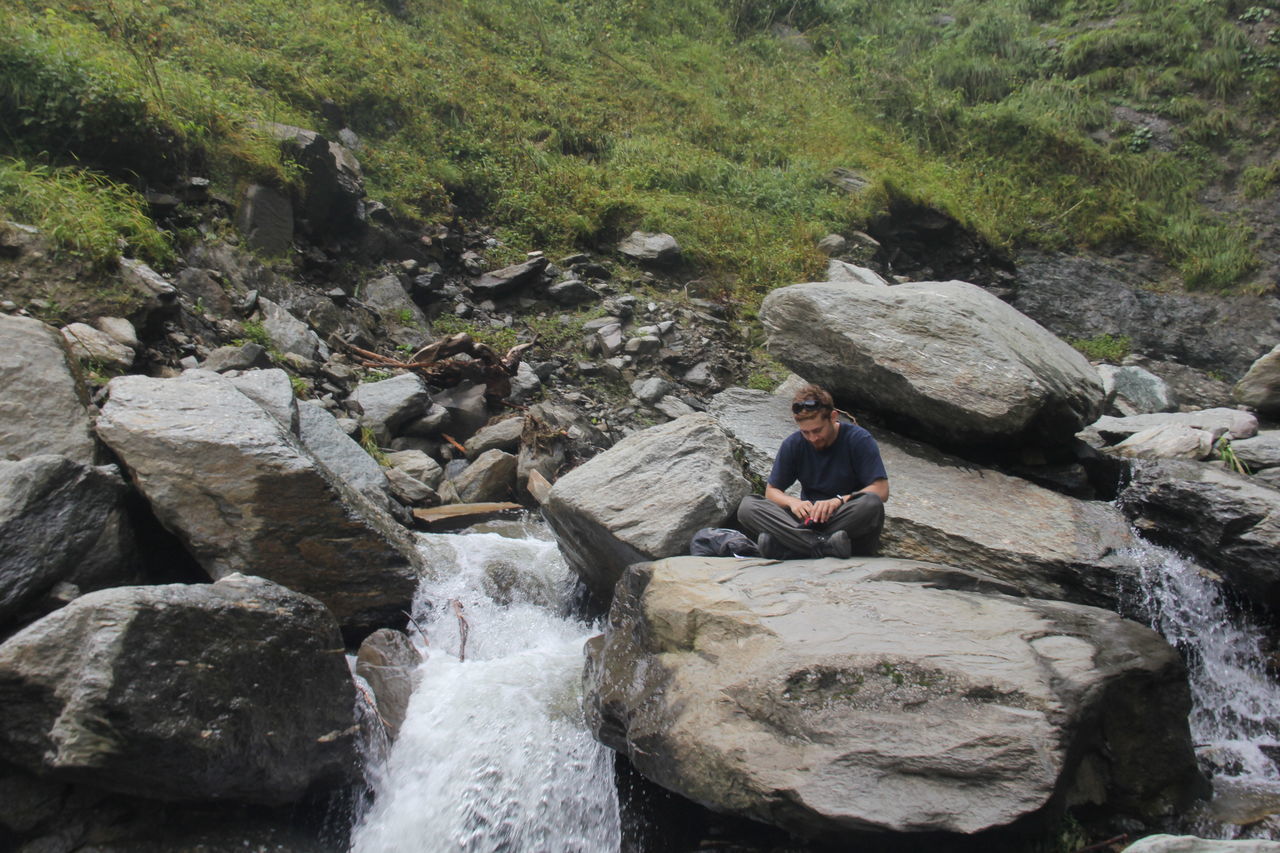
column 862, row 518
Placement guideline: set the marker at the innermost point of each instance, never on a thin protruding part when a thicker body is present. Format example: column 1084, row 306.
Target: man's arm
column 880, row 488
column 800, row 509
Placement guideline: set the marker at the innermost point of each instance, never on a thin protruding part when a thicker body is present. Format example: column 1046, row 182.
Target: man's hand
column 821, row 511
column 800, row 509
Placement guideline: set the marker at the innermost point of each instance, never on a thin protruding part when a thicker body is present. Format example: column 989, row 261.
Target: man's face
column 819, row 431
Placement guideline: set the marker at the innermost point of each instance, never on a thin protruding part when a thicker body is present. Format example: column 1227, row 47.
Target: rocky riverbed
column 212, row 492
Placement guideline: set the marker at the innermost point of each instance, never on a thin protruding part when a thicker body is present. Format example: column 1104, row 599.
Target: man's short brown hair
column 811, row 394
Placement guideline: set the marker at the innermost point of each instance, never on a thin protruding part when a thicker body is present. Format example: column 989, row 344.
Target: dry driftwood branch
column 423, row 633
column 463, row 629
column 436, row 364
column 456, row 446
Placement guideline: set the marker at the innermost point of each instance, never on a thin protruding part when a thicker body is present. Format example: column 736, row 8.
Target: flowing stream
column 1235, row 717
column 493, row 754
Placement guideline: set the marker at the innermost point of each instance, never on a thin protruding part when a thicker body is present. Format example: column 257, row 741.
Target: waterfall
column 1235, row 717
column 493, row 754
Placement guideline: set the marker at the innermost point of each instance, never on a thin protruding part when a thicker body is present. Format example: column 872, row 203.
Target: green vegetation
column 1228, row 455
column 567, row 122
column 501, row 339
column 255, row 332
column 1104, row 347
column 81, row 212
column 370, row 444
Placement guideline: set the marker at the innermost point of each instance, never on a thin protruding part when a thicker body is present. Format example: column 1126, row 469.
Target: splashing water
column 1235, row 717
column 493, row 754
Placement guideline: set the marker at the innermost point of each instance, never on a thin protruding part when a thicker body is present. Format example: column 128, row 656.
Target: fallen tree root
column 436, row 363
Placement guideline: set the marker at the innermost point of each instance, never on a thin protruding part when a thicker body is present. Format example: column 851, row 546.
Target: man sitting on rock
column 843, row 487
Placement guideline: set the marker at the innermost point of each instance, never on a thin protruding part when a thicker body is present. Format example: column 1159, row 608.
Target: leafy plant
column 82, row 213
column 1103, row 347
column 370, row 444
column 256, row 332
column 1228, row 455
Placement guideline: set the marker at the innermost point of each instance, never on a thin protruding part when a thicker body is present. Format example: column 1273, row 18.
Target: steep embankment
column 747, row 129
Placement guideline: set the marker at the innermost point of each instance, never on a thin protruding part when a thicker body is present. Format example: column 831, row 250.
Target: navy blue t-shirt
column 848, row 465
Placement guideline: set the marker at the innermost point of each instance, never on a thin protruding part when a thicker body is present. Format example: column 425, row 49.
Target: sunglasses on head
column 806, row 406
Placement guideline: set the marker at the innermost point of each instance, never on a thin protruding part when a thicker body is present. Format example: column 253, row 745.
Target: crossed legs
column 862, row 518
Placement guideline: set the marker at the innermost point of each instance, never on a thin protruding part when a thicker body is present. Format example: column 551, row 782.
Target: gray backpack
column 722, row 542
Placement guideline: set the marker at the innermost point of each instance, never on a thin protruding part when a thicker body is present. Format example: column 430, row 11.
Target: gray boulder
column 96, row 347
column 418, row 465
column 388, row 296
column 199, row 288
column 509, row 280
column 410, row 491
column 342, row 455
column 947, row 510
column 1133, row 390
column 1260, row 452
column 120, row 330
column 236, row 690
column 571, row 292
column 466, row 407
column 333, row 183
column 1167, row 441
column 644, row 498
column 243, row 495
column 1260, row 387
column 1232, row 423
column 61, row 521
column 157, row 299
column 946, row 361
column 525, row 385
column 653, row 389
column 649, row 248
column 1226, row 520
column 388, row 661
column 833, row 698
column 503, row 435
column 1080, row 296
column 265, row 217
column 842, row 271
column 390, row 404
column 42, row 401
column 247, row 356
column 289, row 334
column 491, row 477
column 271, row 390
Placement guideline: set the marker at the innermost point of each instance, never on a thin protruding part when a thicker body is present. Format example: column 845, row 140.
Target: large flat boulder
column 1226, row 520
column 834, row 698
column 947, row 510
column 243, row 495
column 42, row 401
column 61, row 522
column 944, row 361
column 236, row 690
column 644, row 498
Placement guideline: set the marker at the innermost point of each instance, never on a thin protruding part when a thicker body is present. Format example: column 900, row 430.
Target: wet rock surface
column 233, row 690
column 944, row 361
column 644, row 498
column 948, row 510
column 834, row 698
column 244, row 496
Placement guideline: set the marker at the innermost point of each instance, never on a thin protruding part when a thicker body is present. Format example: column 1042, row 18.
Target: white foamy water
column 493, row 755
column 1235, row 716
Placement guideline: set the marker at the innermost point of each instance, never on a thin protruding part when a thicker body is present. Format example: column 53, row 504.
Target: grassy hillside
column 1051, row 123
